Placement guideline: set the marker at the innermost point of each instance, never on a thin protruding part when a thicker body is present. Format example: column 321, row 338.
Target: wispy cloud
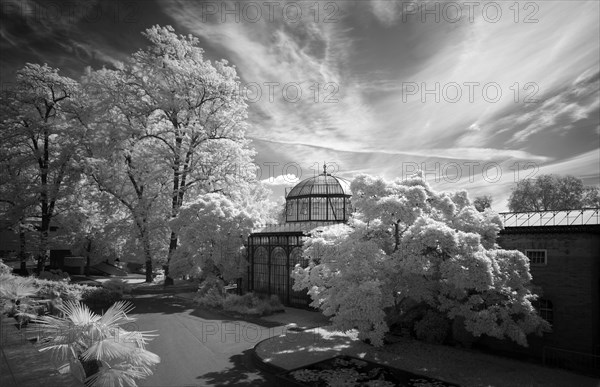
column 481, row 154
column 294, row 73
column 285, row 180
column 384, row 83
column 563, row 110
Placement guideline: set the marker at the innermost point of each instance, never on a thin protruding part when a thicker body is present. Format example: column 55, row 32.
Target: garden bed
column 352, row 371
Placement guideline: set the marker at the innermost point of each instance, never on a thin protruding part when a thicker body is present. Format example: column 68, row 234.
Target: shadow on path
column 165, row 304
column 243, row 373
column 169, row 304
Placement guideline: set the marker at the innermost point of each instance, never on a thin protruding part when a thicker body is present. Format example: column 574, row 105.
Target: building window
column 545, row 309
column 536, row 257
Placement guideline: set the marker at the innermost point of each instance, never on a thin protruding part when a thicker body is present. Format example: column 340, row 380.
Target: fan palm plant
column 96, row 349
column 15, row 297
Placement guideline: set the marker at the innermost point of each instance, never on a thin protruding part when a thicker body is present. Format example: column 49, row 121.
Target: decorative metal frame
column 270, row 276
column 320, row 198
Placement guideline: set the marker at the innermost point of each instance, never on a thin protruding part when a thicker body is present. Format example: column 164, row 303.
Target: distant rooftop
column 581, row 217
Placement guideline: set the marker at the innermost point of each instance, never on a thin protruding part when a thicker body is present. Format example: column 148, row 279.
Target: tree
column 124, row 160
column 95, row 225
column 199, row 116
column 408, row 246
column 591, row 197
column 188, row 109
column 18, row 200
column 481, row 203
column 552, row 193
column 39, row 134
column 213, row 228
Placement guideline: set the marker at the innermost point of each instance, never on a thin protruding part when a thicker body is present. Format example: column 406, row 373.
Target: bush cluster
column 211, row 295
column 117, row 285
column 100, row 298
column 67, row 292
column 252, row 304
column 54, row 275
column 212, row 298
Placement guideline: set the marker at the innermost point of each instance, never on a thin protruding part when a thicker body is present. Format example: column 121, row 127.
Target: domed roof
column 324, row 184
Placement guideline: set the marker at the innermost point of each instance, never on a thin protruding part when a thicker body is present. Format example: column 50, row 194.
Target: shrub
column 250, row 303
column 99, row 298
column 117, row 285
column 211, row 298
column 54, row 275
column 276, row 304
column 211, row 293
column 16, row 297
column 5, row 269
column 432, row 328
column 66, row 291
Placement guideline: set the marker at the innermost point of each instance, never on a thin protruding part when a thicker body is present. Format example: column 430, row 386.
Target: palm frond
column 61, row 351
column 61, row 336
column 117, row 314
column 144, row 358
column 113, row 377
column 108, row 349
column 82, row 336
column 78, row 313
column 17, row 288
column 141, row 338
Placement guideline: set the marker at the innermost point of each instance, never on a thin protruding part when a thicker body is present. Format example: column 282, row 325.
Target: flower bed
column 351, row 371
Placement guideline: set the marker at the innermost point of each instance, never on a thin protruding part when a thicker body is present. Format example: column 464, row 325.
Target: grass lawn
column 460, row 366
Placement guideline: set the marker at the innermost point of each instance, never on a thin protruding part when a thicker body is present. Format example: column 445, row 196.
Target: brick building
column 564, row 252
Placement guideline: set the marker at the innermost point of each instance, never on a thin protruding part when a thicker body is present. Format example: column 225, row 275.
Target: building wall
column 570, row 280
column 10, row 244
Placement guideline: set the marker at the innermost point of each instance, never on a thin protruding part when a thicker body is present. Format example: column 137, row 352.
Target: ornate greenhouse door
column 279, row 274
column 261, row 270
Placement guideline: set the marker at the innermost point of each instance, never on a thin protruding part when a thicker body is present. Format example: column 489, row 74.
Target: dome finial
column 324, row 168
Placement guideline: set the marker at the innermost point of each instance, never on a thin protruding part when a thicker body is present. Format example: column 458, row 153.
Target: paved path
column 22, row 365
column 201, row 348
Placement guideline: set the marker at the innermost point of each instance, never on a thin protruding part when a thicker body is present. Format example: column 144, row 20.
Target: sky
column 478, row 95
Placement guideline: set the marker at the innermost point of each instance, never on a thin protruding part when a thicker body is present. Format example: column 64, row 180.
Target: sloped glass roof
column 321, row 185
column 581, row 217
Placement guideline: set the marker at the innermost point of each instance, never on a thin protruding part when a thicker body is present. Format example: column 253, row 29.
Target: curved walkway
column 202, row 347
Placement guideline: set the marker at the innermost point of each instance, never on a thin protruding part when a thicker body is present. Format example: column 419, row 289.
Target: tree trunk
column 22, row 244
column 396, row 236
column 43, row 250
column 172, row 248
column 88, row 249
column 43, row 163
column 148, row 257
column 175, row 203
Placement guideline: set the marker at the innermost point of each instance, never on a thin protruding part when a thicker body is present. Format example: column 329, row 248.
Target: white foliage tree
column 40, row 141
column 407, row 244
column 199, row 117
column 212, row 230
